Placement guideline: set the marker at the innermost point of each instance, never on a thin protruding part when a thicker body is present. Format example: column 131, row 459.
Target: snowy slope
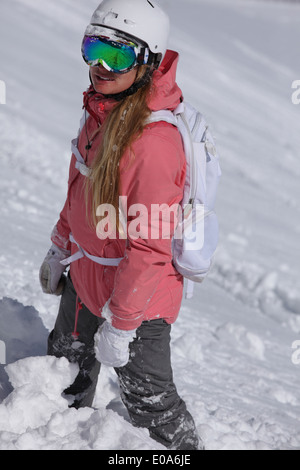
column 232, row 344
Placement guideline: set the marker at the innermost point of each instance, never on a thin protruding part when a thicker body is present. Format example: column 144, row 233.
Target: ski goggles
column 115, row 53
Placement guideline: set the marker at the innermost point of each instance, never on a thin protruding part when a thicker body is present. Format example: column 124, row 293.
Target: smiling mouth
column 104, row 79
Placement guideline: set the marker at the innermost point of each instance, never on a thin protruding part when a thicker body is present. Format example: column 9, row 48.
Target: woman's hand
column 51, row 275
column 112, row 345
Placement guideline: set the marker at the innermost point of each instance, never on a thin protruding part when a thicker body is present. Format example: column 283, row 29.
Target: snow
column 236, row 342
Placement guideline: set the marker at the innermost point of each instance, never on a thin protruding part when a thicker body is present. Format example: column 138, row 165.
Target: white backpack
column 196, row 237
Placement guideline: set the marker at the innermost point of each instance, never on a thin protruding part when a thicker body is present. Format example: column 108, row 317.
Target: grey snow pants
column 146, row 382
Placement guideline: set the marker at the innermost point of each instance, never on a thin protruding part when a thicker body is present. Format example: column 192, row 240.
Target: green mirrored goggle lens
column 117, row 56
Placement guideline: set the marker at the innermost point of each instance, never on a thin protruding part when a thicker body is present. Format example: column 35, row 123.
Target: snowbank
column 35, row 416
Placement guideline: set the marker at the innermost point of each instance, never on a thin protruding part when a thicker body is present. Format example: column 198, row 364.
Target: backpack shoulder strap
column 197, row 123
column 163, row 115
column 179, row 119
column 80, row 163
column 194, row 131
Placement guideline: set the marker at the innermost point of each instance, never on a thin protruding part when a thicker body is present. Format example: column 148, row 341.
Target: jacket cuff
column 125, row 324
column 59, row 240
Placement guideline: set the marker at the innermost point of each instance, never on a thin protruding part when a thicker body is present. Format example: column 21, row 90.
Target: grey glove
column 51, row 275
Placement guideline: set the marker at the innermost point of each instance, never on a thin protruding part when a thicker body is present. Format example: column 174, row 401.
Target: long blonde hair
column 122, row 127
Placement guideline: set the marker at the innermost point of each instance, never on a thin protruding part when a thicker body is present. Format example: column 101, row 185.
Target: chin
column 104, row 87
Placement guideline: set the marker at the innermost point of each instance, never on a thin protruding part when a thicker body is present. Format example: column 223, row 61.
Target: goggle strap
column 141, row 56
column 154, row 59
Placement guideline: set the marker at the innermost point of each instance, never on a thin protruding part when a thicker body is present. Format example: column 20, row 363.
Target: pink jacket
column 145, row 285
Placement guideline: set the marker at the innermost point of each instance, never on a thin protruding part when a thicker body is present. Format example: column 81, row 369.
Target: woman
column 123, row 313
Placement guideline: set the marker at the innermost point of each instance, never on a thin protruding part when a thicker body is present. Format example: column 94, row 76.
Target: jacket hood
column 166, row 95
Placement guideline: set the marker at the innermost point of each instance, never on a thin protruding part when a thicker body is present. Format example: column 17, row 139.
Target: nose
column 106, row 73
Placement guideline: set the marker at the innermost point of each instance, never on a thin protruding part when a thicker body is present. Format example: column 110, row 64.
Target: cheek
column 128, row 79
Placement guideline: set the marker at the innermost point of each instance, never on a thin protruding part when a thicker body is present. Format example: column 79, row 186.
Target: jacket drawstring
column 79, row 307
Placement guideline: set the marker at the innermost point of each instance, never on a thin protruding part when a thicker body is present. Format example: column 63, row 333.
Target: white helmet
column 142, row 19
